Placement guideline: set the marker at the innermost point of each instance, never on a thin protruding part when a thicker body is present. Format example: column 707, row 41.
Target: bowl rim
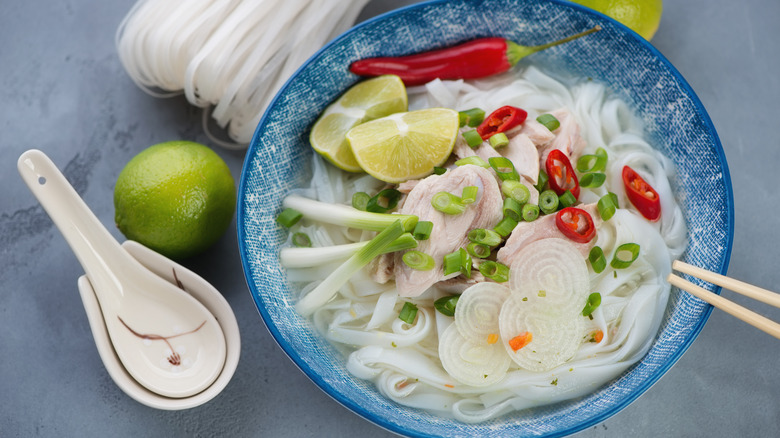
column 624, row 401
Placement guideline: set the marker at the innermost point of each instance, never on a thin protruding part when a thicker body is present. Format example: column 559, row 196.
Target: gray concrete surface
column 63, row 90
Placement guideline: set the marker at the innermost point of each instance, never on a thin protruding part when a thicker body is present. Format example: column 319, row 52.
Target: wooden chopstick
column 748, row 290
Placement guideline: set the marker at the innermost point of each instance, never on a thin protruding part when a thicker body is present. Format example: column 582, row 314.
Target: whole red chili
column 641, row 194
column 576, row 224
column 561, row 174
column 470, row 60
column 501, row 120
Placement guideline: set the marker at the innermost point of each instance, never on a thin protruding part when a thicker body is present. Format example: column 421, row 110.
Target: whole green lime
column 642, row 16
column 176, row 198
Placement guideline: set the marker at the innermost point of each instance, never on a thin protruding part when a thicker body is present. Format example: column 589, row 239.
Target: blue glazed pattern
column 278, row 160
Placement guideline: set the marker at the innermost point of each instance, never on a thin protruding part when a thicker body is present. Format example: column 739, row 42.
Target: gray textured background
column 64, row 91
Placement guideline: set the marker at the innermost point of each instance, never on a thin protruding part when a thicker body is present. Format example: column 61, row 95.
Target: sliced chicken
column 543, row 228
column 450, row 232
column 537, row 133
column 522, row 152
column 567, row 138
column 463, row 150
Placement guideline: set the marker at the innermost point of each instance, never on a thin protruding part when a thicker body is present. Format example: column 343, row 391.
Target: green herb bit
column 515, row 190
column 472, row 138
column 458, row 261
column 301, row 240
column 548, row 201
column 567, row 199
column 289, row 217
column 447, row 203
column 471, row 117
column 541, row 181
column 530, row 212
column 418, row 261
column 549, row 121
column 495, row 271
column 408, row 313
column 383, row 201
column 478, row 250
column 594, row 301
column 593, row 162
column 439, row 170
column 505, row 227
column 484, row 237
column 504, row 168
column 625, row 255
column 593, row 180
column 446, row 305
column 607, row 206
column 360, row 200
column 513, row 209
column 475, row 160
column 498, row 140
column 597, row 259
column 469, row 194
column 423, row 229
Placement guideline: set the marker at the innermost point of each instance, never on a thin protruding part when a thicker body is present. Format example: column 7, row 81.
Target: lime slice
column 405, row 146
column 367, row 100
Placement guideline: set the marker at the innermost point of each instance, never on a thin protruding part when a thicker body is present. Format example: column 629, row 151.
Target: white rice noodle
column 402, row 360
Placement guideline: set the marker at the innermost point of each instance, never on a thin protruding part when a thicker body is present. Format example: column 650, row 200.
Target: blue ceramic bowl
column 279, row 155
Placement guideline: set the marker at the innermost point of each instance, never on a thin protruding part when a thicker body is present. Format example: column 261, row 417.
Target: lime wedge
column 405, row 146
column 367, row 100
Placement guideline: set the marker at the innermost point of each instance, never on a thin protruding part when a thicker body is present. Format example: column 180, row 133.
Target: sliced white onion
column 472, row 362
column 551, row 270
column 476, row 314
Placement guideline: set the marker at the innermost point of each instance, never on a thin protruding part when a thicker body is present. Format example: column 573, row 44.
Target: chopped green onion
column 597, row 259
column 567, row 199
column 592, row 180
column 625, row 254
column 541, row 182
column 472, row 138
column 530, row 212
column 498, row 140
column 446, row 305
column 419, row 261
column 475, row 160
column 383, row 201
column 548, row 201
column 471, row 117
column 515, row 190
column 301, row 240
column 594, row 301
column 484, row 237
column 469, row 194
column 439, row 170
column 607, row 206
column 505, row 227
column 458, row 261
column 289, row 217
column 549, row 121
column 422, row 231
column 504, row 168
column 513, row 209
column 478, row 250
column 408, row 313
column 593, row 162
column 447, row 203
column 406, row 241
column 495, row 271
column 360, row 200
column 345, row 216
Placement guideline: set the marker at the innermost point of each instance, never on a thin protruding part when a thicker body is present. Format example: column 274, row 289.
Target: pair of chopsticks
column 748, row 290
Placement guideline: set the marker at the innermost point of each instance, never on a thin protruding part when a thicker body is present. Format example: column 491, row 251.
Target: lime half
column 367, row 100
column 405, row 146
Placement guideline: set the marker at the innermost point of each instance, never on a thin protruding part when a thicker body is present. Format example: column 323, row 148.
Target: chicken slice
column 450, row 232
column 537, row 133
column 567, row 138
column 543, row 228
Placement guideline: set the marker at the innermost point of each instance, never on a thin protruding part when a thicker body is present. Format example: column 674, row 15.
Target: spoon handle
column 95, row 248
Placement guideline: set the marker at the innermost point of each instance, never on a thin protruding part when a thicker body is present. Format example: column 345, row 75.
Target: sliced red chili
column 642, row 195
column 501, row 120
column 576, row 224
column 561, row 174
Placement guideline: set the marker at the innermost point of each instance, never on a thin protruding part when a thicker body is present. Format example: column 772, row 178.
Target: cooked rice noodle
column 402, row 360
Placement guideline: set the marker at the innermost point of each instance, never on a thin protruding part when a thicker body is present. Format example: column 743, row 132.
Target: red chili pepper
column 470, row 60
column 561, row 174
column 576, row 224
column 501, row 120
column 642, row 195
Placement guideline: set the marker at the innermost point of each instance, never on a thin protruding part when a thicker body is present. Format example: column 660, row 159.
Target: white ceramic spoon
column 166, row 339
